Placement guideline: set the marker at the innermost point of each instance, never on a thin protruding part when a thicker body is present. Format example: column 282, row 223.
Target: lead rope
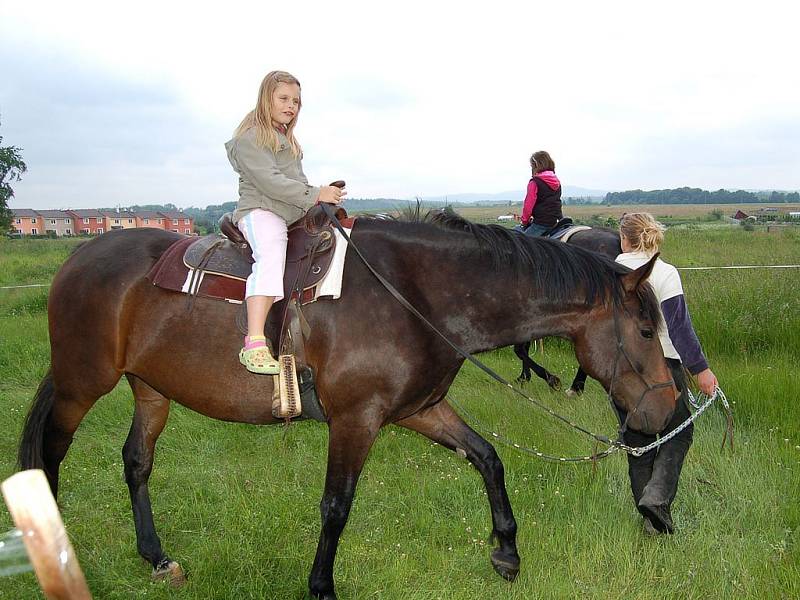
column 699, row 404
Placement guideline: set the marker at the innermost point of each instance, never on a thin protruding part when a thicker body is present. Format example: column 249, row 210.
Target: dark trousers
column 533, row 230
column 654, row 476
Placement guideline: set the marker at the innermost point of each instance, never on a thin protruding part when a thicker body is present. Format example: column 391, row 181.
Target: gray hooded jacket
column 269, row 180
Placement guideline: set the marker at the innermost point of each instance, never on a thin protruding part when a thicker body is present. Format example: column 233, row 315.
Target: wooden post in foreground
column 36, row 515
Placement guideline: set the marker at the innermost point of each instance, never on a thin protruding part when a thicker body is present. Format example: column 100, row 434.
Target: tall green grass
column 237, row 505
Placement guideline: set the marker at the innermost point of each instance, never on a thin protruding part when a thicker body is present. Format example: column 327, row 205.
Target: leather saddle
column 559, row 229
column 308, row 253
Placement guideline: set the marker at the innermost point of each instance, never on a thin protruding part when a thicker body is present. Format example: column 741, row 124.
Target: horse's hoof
column 572, row 392
column 172, row 573
column 554, row 383
column 505, row 565
column 322, row 596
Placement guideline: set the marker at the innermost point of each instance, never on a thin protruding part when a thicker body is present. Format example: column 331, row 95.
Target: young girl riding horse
column 541, row 209
column 273, row 192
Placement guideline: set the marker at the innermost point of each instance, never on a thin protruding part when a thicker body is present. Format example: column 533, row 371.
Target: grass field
column 669, row 213
column 237, row 505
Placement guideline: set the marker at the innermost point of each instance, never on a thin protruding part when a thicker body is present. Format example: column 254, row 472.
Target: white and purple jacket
column 677, row 335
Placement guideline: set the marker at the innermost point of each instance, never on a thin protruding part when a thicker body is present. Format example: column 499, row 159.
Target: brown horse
column 483, row 286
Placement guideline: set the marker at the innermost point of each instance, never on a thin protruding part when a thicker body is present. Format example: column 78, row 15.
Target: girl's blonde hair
column 260, row 119
column 644, row 233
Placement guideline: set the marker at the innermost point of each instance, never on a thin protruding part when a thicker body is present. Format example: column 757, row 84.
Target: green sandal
column 259, row 360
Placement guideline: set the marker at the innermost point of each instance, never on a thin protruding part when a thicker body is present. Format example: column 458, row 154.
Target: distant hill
column 570, row 191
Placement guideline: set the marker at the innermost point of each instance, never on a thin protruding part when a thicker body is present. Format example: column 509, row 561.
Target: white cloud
column 417, row 98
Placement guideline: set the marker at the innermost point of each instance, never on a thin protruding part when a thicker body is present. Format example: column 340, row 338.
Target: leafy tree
column 11, row 167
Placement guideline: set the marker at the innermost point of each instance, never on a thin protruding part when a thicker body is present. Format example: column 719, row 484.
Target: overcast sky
column 131, row 103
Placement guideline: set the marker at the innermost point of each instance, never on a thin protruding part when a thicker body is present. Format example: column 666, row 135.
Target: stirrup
column 286, row 403
column 259, row 360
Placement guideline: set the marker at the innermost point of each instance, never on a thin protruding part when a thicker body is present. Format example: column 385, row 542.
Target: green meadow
column 237, row 505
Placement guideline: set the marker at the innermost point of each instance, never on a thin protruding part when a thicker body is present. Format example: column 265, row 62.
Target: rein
column 614, row 444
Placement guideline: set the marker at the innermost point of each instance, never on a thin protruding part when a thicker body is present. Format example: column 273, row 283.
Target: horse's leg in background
column 442, row 425
column 528, row 364
column 149, row 417
column 578, row 384
column 64, row 397
column 521, row 350
column 349, row 442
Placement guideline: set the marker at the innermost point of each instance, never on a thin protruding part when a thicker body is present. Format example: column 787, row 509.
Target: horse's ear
column 632, row 280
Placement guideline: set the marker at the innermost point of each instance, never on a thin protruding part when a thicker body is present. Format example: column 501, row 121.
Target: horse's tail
column 30, row 454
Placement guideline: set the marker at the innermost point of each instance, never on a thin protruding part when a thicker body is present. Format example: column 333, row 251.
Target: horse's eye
column 647, row 333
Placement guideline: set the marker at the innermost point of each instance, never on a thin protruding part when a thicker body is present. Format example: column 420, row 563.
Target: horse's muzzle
column 654, row 413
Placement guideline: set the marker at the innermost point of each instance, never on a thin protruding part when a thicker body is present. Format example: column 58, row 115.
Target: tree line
column 687, row 195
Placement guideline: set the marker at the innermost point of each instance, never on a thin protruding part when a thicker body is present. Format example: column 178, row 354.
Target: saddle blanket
column 567, row 233
column 171, row 273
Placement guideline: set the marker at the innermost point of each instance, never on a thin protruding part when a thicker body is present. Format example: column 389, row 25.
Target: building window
column 33, row 220
column 160, row 221
column 34, row 231
column 66, row 220
column 116, row 221
column 187, row 231
column 69, row 232
column 99, row 230
column 130, row 220
column 186, row 221
column 147, row 221
column 19, row 221
column 99, row 219
column 85, row 220
column 84, row 231
column 52, row 221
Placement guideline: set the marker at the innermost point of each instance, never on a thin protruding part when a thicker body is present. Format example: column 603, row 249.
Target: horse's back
column 90, row 290
column 114, row 257
column 598, row 239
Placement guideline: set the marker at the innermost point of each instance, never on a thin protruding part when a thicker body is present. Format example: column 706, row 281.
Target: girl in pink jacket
column 542, row 207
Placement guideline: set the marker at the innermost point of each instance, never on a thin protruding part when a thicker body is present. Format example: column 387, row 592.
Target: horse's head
column 619, row 347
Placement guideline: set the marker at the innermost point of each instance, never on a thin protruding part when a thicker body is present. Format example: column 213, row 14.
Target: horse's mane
column 561, row 272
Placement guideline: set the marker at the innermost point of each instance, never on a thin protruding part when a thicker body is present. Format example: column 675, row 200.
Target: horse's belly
column 193, row 357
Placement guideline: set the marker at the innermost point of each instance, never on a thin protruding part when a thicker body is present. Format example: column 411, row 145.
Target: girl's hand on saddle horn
column 331, row 194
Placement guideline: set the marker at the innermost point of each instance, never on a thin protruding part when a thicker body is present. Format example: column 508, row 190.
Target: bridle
column 648, row 386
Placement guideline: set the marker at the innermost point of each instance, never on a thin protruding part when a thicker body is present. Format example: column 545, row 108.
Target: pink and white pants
column 266, row 233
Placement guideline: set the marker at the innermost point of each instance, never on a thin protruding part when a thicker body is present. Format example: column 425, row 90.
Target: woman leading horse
column 375, row 362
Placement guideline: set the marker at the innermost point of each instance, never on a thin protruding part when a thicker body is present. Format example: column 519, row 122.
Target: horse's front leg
column 442, row 425
column 521, row 350
column 349, row 442
column 578, row 384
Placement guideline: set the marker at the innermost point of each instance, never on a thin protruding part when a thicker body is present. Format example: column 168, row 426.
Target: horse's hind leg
column 528, row 364
column 441, row 424
column 149, row 417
